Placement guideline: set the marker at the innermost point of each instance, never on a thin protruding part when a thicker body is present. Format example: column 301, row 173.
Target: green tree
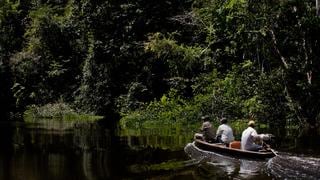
column 11, row 38
column 116, row 57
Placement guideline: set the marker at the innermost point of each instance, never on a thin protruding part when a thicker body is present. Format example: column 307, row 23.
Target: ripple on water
column 294, row 167
column 228, row 167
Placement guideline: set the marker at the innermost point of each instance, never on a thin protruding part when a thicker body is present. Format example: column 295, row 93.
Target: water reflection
column 54, row 150
column 216, row 165
column 173, row 138
column 44, row 149
column 90, row 151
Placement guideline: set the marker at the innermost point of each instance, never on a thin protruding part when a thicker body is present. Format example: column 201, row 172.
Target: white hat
column 251, row 123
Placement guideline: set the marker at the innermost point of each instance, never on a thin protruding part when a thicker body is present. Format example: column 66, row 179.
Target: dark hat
column 223, row 120
column 206, row 125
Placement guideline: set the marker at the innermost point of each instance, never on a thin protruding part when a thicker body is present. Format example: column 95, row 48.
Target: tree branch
column 275, row 45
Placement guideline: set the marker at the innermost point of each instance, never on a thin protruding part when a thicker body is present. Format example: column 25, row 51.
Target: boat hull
column 222, row 149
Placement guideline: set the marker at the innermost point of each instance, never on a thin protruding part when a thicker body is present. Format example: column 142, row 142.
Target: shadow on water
column 6, row 135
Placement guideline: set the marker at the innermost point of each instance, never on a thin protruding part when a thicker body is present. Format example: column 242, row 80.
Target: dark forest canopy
column 236, row 58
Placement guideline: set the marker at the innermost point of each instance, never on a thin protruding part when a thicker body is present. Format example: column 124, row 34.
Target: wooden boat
column 222, row 149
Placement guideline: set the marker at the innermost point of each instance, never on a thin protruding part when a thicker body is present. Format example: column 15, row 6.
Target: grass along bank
column 59, row 111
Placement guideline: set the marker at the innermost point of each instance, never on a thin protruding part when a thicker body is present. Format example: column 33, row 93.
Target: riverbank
column 57, row 111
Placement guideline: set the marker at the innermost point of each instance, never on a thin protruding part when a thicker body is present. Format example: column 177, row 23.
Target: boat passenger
column 206, row 131
column 250, row 136
column 224, row 132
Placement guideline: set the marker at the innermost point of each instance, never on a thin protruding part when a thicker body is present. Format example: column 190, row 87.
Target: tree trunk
column 317, row 7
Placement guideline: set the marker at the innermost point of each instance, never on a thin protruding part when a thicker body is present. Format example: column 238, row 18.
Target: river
column 54, row 150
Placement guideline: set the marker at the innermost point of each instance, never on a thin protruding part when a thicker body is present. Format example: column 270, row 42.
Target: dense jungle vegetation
column 168, row 60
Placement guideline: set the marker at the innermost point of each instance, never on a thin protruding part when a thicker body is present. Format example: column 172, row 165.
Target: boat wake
column 286, row 166
column 283, row 166
column 229, row 166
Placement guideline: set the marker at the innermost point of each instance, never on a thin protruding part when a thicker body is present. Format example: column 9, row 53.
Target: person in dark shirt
column 207, row 132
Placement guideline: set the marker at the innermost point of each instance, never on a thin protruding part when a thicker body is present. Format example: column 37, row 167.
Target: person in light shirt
column 224, row 132
column 250, row 136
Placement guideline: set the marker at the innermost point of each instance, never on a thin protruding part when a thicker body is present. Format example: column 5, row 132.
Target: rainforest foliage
column 171, row 60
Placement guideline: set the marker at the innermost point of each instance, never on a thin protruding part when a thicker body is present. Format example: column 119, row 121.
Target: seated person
column 250, row 136
column 224, row 133
column 206, row 131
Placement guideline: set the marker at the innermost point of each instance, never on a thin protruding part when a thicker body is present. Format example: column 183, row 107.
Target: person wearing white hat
column 250, row 136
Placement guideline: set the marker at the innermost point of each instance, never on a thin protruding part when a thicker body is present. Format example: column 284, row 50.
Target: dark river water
column 57, row 150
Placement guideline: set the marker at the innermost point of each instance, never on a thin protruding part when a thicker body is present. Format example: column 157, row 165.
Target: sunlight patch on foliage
column 58, row 111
